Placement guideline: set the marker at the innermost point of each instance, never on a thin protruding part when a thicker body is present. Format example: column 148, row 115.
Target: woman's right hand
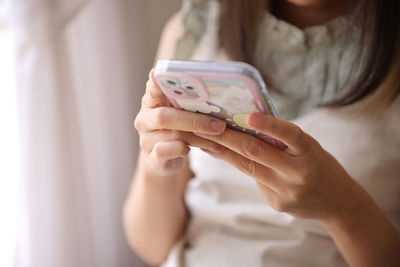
column 166, row 133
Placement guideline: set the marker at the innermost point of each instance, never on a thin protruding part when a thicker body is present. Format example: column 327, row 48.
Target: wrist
column 353, row 212
column 148, row 182
column 365, row 237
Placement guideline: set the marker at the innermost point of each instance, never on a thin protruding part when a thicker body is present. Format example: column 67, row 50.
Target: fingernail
column 256, row 119
column 217, row 125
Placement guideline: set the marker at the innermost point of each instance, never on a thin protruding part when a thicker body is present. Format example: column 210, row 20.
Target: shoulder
column 185, row 28
column 169, row 36
column 197, row 19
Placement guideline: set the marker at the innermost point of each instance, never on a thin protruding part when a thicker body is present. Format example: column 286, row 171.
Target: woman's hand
column 166, row 133
column 304, row 180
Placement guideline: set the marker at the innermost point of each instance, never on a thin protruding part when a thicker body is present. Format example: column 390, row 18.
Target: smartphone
column 227, row 90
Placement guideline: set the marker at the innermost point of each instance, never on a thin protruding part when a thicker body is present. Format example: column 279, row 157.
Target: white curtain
column 81, row 71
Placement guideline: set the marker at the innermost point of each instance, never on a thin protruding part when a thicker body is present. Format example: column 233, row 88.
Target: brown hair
column 238, row 26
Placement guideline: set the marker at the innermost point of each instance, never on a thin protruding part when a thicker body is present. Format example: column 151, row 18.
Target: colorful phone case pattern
column 228, row 97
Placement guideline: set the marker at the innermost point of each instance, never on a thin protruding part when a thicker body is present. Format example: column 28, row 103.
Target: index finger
column 285, row 131
column 169, row 118
column 251, row 148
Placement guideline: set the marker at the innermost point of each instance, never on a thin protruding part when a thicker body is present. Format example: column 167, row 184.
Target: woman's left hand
column 304, row 180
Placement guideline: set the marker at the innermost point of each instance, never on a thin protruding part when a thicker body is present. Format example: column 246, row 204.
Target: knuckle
column 150, row 90
column 247, row 166
column 146, row 100
column 145, row 145
column 196, row 123
column 157, row 150
column 218, row 147
column 251, row 149
column 175, row 135
column 148, row 84
column 297, row 194
column 138, row 122
column 183, row 148
column 142, row 143
column 279, row 205
column 200, row 123
column 161, row 116
column 297, row 134
column 302, row 176
column 220, row 137
column 272, row 126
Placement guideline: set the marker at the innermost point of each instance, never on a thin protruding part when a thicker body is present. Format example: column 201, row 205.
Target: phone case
column 226, row 90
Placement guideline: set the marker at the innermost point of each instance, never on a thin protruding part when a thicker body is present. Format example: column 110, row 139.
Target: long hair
column 238, row 26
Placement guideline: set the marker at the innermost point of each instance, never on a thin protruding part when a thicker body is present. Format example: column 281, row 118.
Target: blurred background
column 72, row 73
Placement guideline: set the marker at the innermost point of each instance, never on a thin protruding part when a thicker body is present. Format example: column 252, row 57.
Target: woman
column 331, row 198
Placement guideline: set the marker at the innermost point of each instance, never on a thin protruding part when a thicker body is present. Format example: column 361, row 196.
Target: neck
column 306, row 13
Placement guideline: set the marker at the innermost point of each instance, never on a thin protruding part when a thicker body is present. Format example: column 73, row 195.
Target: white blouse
column 231, row 224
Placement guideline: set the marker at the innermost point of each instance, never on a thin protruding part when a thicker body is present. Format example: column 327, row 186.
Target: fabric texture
column 231, row 224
